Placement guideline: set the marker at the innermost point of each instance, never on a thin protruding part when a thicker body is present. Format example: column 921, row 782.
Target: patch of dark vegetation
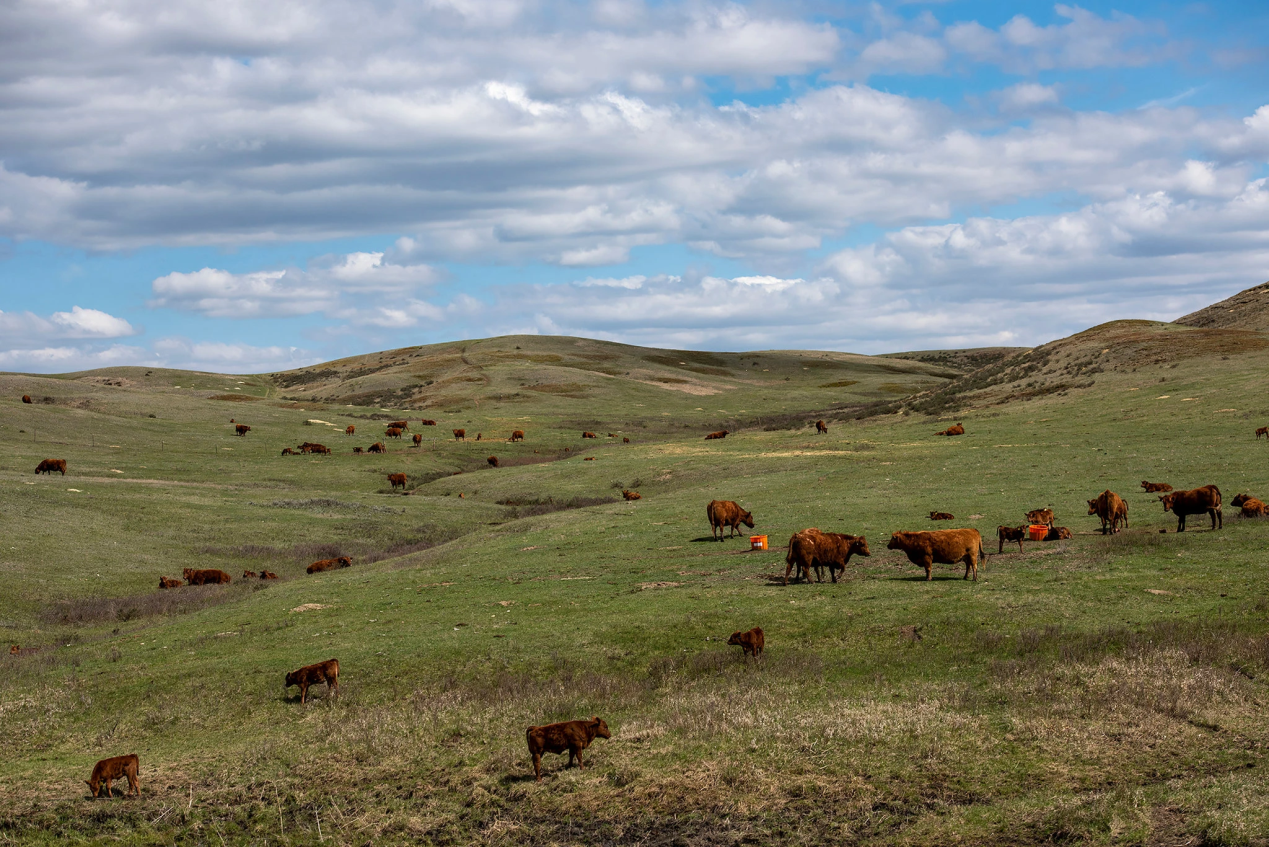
column 421, row 537
column 527, row 507
column 304, row 377
column 233, row 398
column 841, row 383
column 173, row 601
column 686, row 359
column 325, row 504
column 959, row 361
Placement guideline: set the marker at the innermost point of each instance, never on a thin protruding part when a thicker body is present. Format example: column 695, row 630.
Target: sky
column 242, row 187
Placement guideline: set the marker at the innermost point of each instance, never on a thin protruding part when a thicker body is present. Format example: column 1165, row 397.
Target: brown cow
column 573, row 736
column 168, row 582
column 1057, row 533
column 15, row 650
column 1240, row 499
column 589, row 435
column 26, row 398
column 812, row 548
column 460, row 435
column 1253, row 508
column 722, row 433
column 357, row 450
column 1040, row 516
column 287, row 451
column 625, row 440
column 612, row 435
column 209, row 576
column 350, row 429
column 1011, row 534
column 268, row 575
column 1152, row 487
column 751, row 642
column 631, row 495
column 517, row 435
column 426, row 422
column 116, row 767
column 478, row 436
column 1264, row 430
column 249, row 574
column 589, row 459
column 821, row 428
column 397, row 479
column 1111, row 508
column 241, row 429
column 942, row 546
column 723, row 513
column 493, row 461
column 306, row 447
column 329, row 564
column 418, row 439
column 1195, row 502
column 377, row 447
column 401, row 425
column 327, row 672
column 49, row 465
column 392, row 432
column 942, row 516
column 320, row 449
column 955, row 429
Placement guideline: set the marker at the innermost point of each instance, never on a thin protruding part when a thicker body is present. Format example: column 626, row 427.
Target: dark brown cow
column 812, row 548
column 241, row 429
column 1253, row 508
column 327, row 672
column 426, row 422
column 1264, row 430
column 287, row 451
column 306, row 447
column 625, row 440
column 460, row 435
column 397, row 479
column 377, row 447
column 1240, row 499
column 268, row 575
column 493, row 461
column 1196, row 501
column 249, row 574
column 589, row 435
column 401, row 425
column 1011, row 534
column 392, row 432
column 1152, row 487
column 26, row 398
column 942, row 516
column 1111, row 508
column 358, row 450
column 1057, row 533
column 955, row 429
column 1040, row 517
column 208, row 576
column 49, row 465
column 168, row 582
column 722, row 433
column 116, row 767
column 350, row 429
column 751, row 642
column 320, row 449
column 612, row 435
column 418, row 439
column 631, row 495
column 478, row 436
column 329, row 564
column 941, row 546
column 573, row 736
column 821, row 428
column 517, row 435
column 723, row 513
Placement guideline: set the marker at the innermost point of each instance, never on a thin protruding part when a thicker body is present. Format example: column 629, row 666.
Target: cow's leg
column 1180, row 523
column 832, row 572
column 537, row 766
column 788, row 569
column 928, row 564
column 110, row 795
column 580, row 763
column 303, row 692
column 134, row 785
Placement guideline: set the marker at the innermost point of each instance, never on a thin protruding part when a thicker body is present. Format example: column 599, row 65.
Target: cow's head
column 291, row 679
column 1240, row 499
column 746, row 518
column 345, row 562
column 735, row 637
column 94, row 784
column 601, row 728
column 894, row 542
column 1092, row 507
column 860, row 547
column 1166, row 500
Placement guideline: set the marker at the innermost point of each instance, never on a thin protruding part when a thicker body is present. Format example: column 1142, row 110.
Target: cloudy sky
column 244, row 186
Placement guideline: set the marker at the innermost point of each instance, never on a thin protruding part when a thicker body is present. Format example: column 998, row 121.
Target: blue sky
column 241, row 187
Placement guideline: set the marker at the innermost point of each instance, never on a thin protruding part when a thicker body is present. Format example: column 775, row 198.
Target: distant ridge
column 1245, row 310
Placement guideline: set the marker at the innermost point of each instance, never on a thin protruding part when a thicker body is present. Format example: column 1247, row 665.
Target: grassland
column 1098, row 690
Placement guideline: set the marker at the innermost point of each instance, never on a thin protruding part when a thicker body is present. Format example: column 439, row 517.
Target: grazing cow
column 1057, row 533
column 517, row 435
column 49, row 465
column 1040, row 516
column 306, row 447
column 26, row 398
column 268, row 575
column 249, row 574
column 392, row 432
column 418, row 439
column 209, row 576
column 942, row 516
column 722, row 433
column 350, row 429
column 329, row 564
column 1253, row 508
column 723, row 513
column 320, row 449
column 573, row 736
column 397, row 479
column 168, row 582
column 377, row 447
column 812, row 548
column 241, row 429
column 116, row 767
column 1264, row 430
column 589, row 435
column 955, row 429
column 1152, row 487
column 821, row 428
column 1111, row 508
column 493, row 461
column 426, row 422
column 942, row 546
column 460, row 435
column 1195, row 502
column 751, row 642
column 327, row 672
column 1240, row 499
column 401, row 425
column 625, row 440
column 357, row 451
column 1010, row 533
column 631, row 495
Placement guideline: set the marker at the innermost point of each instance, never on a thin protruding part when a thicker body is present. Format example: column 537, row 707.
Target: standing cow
column 821, row 428
column 1011, row 534
column 350, row 429
column 116, row 767
column 1040, row 517
column 1112, row 510
column 727, row 513
column 812, row 548
column 941, row 546
column 418, row 439
column 573, row 736
column 327, row 672
column 751, row 643
column 397, row 479
column 49, row 465
column 241, row 429
column 517, row 435
column 1197, row 501
column 460, row 435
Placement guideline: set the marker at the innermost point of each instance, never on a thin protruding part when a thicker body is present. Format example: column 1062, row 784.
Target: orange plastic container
column 757, row 542
column 1037, row 532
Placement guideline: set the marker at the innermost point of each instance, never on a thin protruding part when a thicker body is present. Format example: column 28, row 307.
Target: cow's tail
column 982, row 553
column 1219, row 498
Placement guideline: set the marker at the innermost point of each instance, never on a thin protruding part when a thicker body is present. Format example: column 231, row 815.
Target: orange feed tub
column 757, row 542
column 1037, row 532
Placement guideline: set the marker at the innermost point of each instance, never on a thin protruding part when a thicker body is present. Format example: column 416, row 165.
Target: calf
column 249, row 574
column 1010, row 534
column 631, row 495
column 1057, row 533
column 116, row 767
column 418, row 439
column 268, row 575
column 573, row 736
column 1111, row 508
column 517, row 435
column 478, row 436
column 392, row 432
column 26, row 398
column 1152, row 487
column 942, row 516
column 208, row 576
column 625, row 440
column 1264, row 430
column 350, row 429
column 589, row 435
column 460, row 435
column 727, row 513
column 168, row 582
column 1253, row 508
column 751, row 642
column 49, row 465
column 1040, row 517
column 821, row 428
column 327, row 672
column 943, row 546
column 287, row 451
column 401, row 425
column 397, row 479
column 493, row 461
column 357, row 451
column 812, row 548
column 955, row 429
column 241, row 429
column 1197, row 501
column 319, row 449
column 722, row 433
column 329, row 564
column 377, row 447
column 426, row 422
column 612, row 435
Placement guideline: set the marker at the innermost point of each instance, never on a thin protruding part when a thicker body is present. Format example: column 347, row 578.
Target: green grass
column 1098, row 690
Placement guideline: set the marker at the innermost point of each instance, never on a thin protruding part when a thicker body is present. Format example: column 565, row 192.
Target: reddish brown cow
column 49, row 465
column 320, row 449
column 723, row 513
column 517, row 435
column 751, row 642
column 1011, row 534
column 1111, row 508
column 460, row 435
column 942, row 516
column 1196, row 501
column 377, row 447
column 357, row 451
column 327, row 672
column 426, row 422
column 1040, row 516
column 249, row 574
column 573, row 736
column 631, row 495
column 625, row 440
column 268, row 575
column 397, row 479
column 287, row 451
column 1264, row 430
column 168, row 582
column 26, row 398
column 722, row 433
column 942, row 546
column 418, row 440
column 241, row 429
column 1152, row 487
column 589, row 435
column 1253, row 508
column 329, row 564
column 116, row 767
column 821, row 428
column 612, row 435
column 955, row 429
column 589, row 459
column 812, row 548
column 392, row 432
column 1240, row 499
column 493, row 461
column 209, row 576
column 1057, row 533
column 350, row 429
column 401, row 425
column 15, row 650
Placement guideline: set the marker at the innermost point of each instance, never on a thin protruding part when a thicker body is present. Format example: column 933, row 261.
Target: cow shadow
column 705, row 538
column 936, row 578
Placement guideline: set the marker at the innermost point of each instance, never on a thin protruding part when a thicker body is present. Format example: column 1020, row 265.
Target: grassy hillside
column 1098, row 690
